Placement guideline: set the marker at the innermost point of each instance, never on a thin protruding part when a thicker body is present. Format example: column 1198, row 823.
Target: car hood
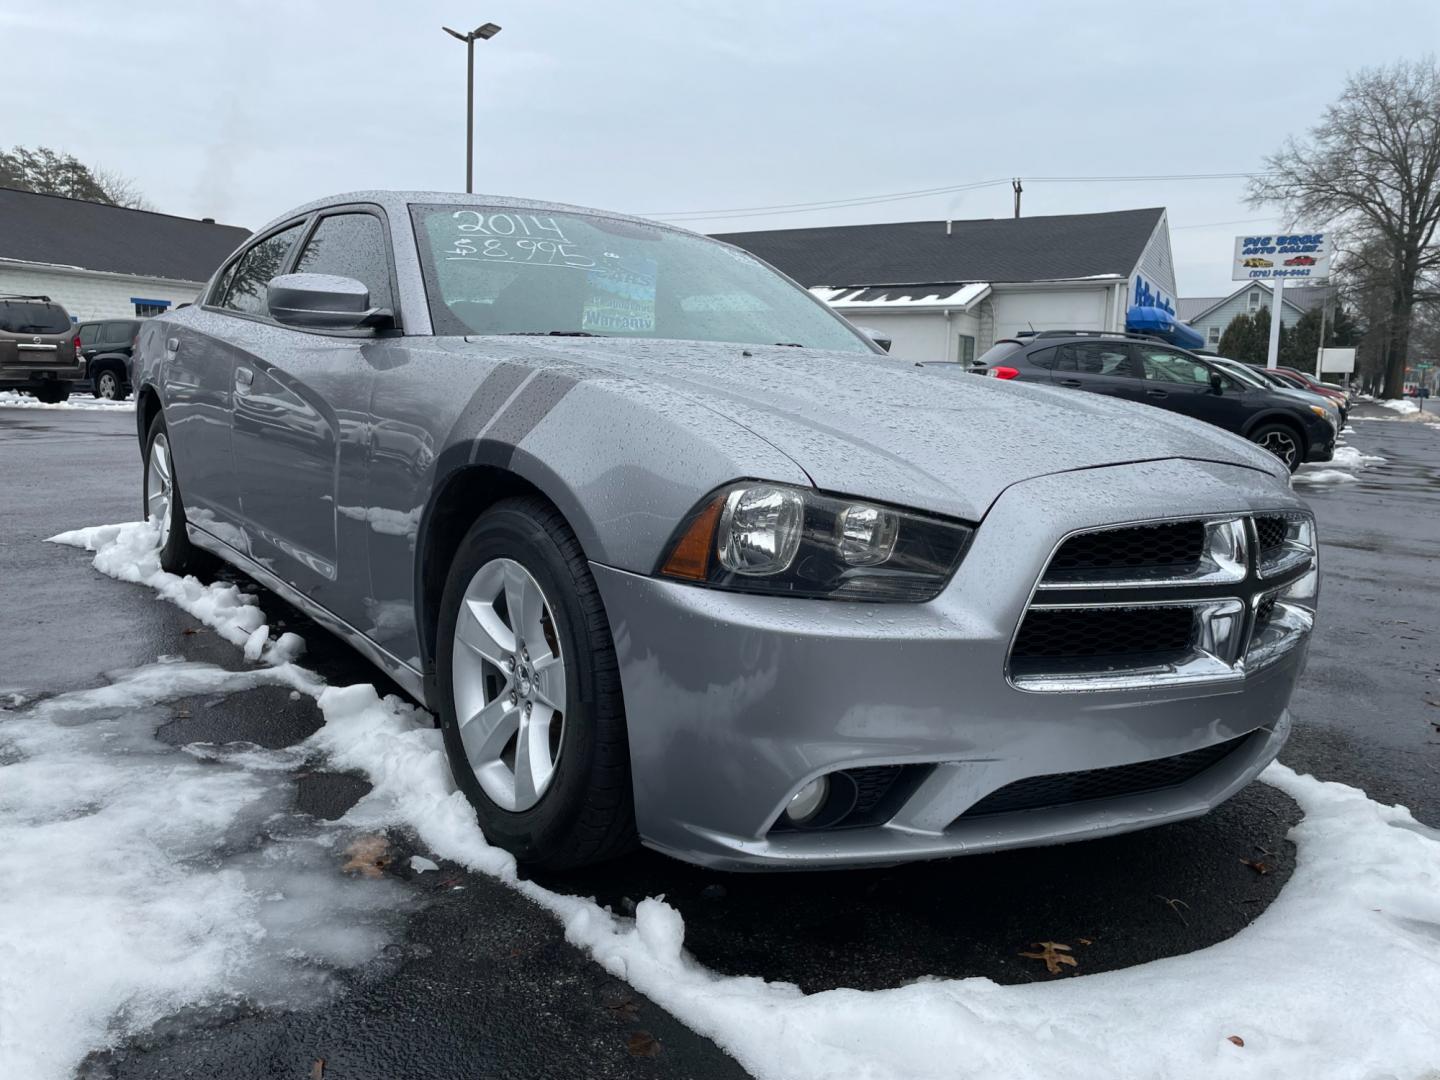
column 883, row 429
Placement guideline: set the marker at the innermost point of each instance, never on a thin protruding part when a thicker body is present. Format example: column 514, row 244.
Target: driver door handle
column 1156, row 393
column 1070, row 382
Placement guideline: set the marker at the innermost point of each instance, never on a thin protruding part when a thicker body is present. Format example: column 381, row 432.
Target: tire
column 1283, row 441
column 109, row 385
column 52, row 393
column 177, row 555
column 581, row 811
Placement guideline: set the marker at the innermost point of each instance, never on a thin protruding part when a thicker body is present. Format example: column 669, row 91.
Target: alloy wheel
column 1282, row 445
column 108, row 387
column 160, row 486
column 508, row 676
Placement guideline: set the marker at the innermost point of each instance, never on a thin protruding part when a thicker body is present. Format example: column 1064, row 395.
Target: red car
column 1301, row 260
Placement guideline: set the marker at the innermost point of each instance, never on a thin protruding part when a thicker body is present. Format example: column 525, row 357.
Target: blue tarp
column 1158, row 321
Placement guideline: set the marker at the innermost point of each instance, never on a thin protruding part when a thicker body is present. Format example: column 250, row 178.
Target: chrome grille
column 1162, row 602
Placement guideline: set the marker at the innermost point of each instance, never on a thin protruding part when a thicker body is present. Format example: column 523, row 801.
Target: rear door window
column 1095, row 358
column 119, row 333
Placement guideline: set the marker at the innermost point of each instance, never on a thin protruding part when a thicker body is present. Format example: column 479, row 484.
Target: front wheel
column 163, row 506
column 529, row 692
column 1282, row 441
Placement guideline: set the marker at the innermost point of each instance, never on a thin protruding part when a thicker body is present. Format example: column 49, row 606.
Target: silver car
column 678, row 557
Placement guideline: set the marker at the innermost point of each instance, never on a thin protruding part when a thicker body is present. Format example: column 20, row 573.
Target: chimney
column 208, row 220
column 947, row 226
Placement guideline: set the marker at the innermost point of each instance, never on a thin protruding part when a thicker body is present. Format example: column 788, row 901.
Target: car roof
column 399, row 202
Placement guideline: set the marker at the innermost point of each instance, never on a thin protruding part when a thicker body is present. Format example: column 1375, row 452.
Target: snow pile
column 129, row 552
column 1338, row 978
column 1401, row 406
column 1343, row 468
column 132, row 883
column 14, row 399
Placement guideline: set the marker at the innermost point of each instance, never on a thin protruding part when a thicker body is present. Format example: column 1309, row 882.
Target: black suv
column 108, row 346
column 1144, row 369
column 39, row 349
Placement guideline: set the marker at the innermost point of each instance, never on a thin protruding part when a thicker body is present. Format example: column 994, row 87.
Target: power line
column 1210, row 225
column 858, row 200
column 897, row 196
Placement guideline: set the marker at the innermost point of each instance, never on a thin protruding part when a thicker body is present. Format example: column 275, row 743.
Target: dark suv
column 107, row 347
column 1147, row 370
column 39, row 349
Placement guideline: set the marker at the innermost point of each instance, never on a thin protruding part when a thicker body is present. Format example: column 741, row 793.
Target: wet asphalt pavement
column 483, row 983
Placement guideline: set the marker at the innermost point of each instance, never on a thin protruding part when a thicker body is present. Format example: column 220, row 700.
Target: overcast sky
column 240, row 110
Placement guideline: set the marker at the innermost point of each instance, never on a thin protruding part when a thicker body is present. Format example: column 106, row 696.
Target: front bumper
column 736, row 701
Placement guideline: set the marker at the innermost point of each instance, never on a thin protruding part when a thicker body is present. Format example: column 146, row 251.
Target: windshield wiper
column 550, row 333
column 789, row 345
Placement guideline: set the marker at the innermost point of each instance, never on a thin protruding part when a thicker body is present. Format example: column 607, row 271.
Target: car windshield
column 32, row 317
column 493, row 270
column 1243, row 374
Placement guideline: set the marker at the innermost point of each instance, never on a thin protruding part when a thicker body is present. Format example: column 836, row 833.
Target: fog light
column 808, row 801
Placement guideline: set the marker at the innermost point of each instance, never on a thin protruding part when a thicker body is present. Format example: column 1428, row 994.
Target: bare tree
column 1371, row 168
column 50, row 172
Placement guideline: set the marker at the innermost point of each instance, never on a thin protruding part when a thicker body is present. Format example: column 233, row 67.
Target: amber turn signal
column 690, row 558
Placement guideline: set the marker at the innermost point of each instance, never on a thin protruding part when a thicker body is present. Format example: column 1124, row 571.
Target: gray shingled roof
column 1301, row 297
column 991, row 249
column 70, row 232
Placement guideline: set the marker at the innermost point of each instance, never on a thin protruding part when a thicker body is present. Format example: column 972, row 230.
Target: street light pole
column 481, row 33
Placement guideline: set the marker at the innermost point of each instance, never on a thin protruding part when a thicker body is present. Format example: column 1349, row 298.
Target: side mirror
column 877, row 337
column 1217, row 384
column 323, row 302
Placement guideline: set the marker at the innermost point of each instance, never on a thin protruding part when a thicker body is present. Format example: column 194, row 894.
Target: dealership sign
column 1286, row 257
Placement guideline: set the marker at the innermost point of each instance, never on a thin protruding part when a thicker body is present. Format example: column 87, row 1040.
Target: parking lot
column 466, row 976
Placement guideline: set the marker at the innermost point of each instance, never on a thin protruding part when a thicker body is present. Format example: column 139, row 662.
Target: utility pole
column 1017, row 187
column 1320, row 350
column 481, row 33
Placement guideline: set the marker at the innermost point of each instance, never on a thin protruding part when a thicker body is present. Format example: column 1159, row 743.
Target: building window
column 1212, row 335
column 145, row 308
column 1254, row 299
column 966, row 349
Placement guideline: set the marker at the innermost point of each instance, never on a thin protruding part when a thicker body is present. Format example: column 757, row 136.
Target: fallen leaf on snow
column 1236, row 1039
column 368, row 856
column 1053, row 953
column 1257, row 866
column 643, row 1044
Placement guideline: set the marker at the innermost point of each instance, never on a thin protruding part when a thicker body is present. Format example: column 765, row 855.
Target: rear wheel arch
column 147, row 407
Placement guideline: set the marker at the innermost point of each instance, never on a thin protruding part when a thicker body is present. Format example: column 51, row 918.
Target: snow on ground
column 1343, row 468
column 1338, row 978
column 13, row 399
column 133, row 885
column 1401, row 406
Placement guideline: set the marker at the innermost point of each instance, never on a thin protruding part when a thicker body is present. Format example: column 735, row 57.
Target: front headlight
column 772, row 538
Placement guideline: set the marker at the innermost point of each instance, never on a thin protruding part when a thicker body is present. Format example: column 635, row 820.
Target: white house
column 947, row 290
column 101, row 262
column 1210, row 315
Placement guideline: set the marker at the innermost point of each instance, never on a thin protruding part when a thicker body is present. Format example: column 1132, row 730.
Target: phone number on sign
column 1295, row 272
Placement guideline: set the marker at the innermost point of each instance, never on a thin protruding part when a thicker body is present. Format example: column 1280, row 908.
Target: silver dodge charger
column 679, row 557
